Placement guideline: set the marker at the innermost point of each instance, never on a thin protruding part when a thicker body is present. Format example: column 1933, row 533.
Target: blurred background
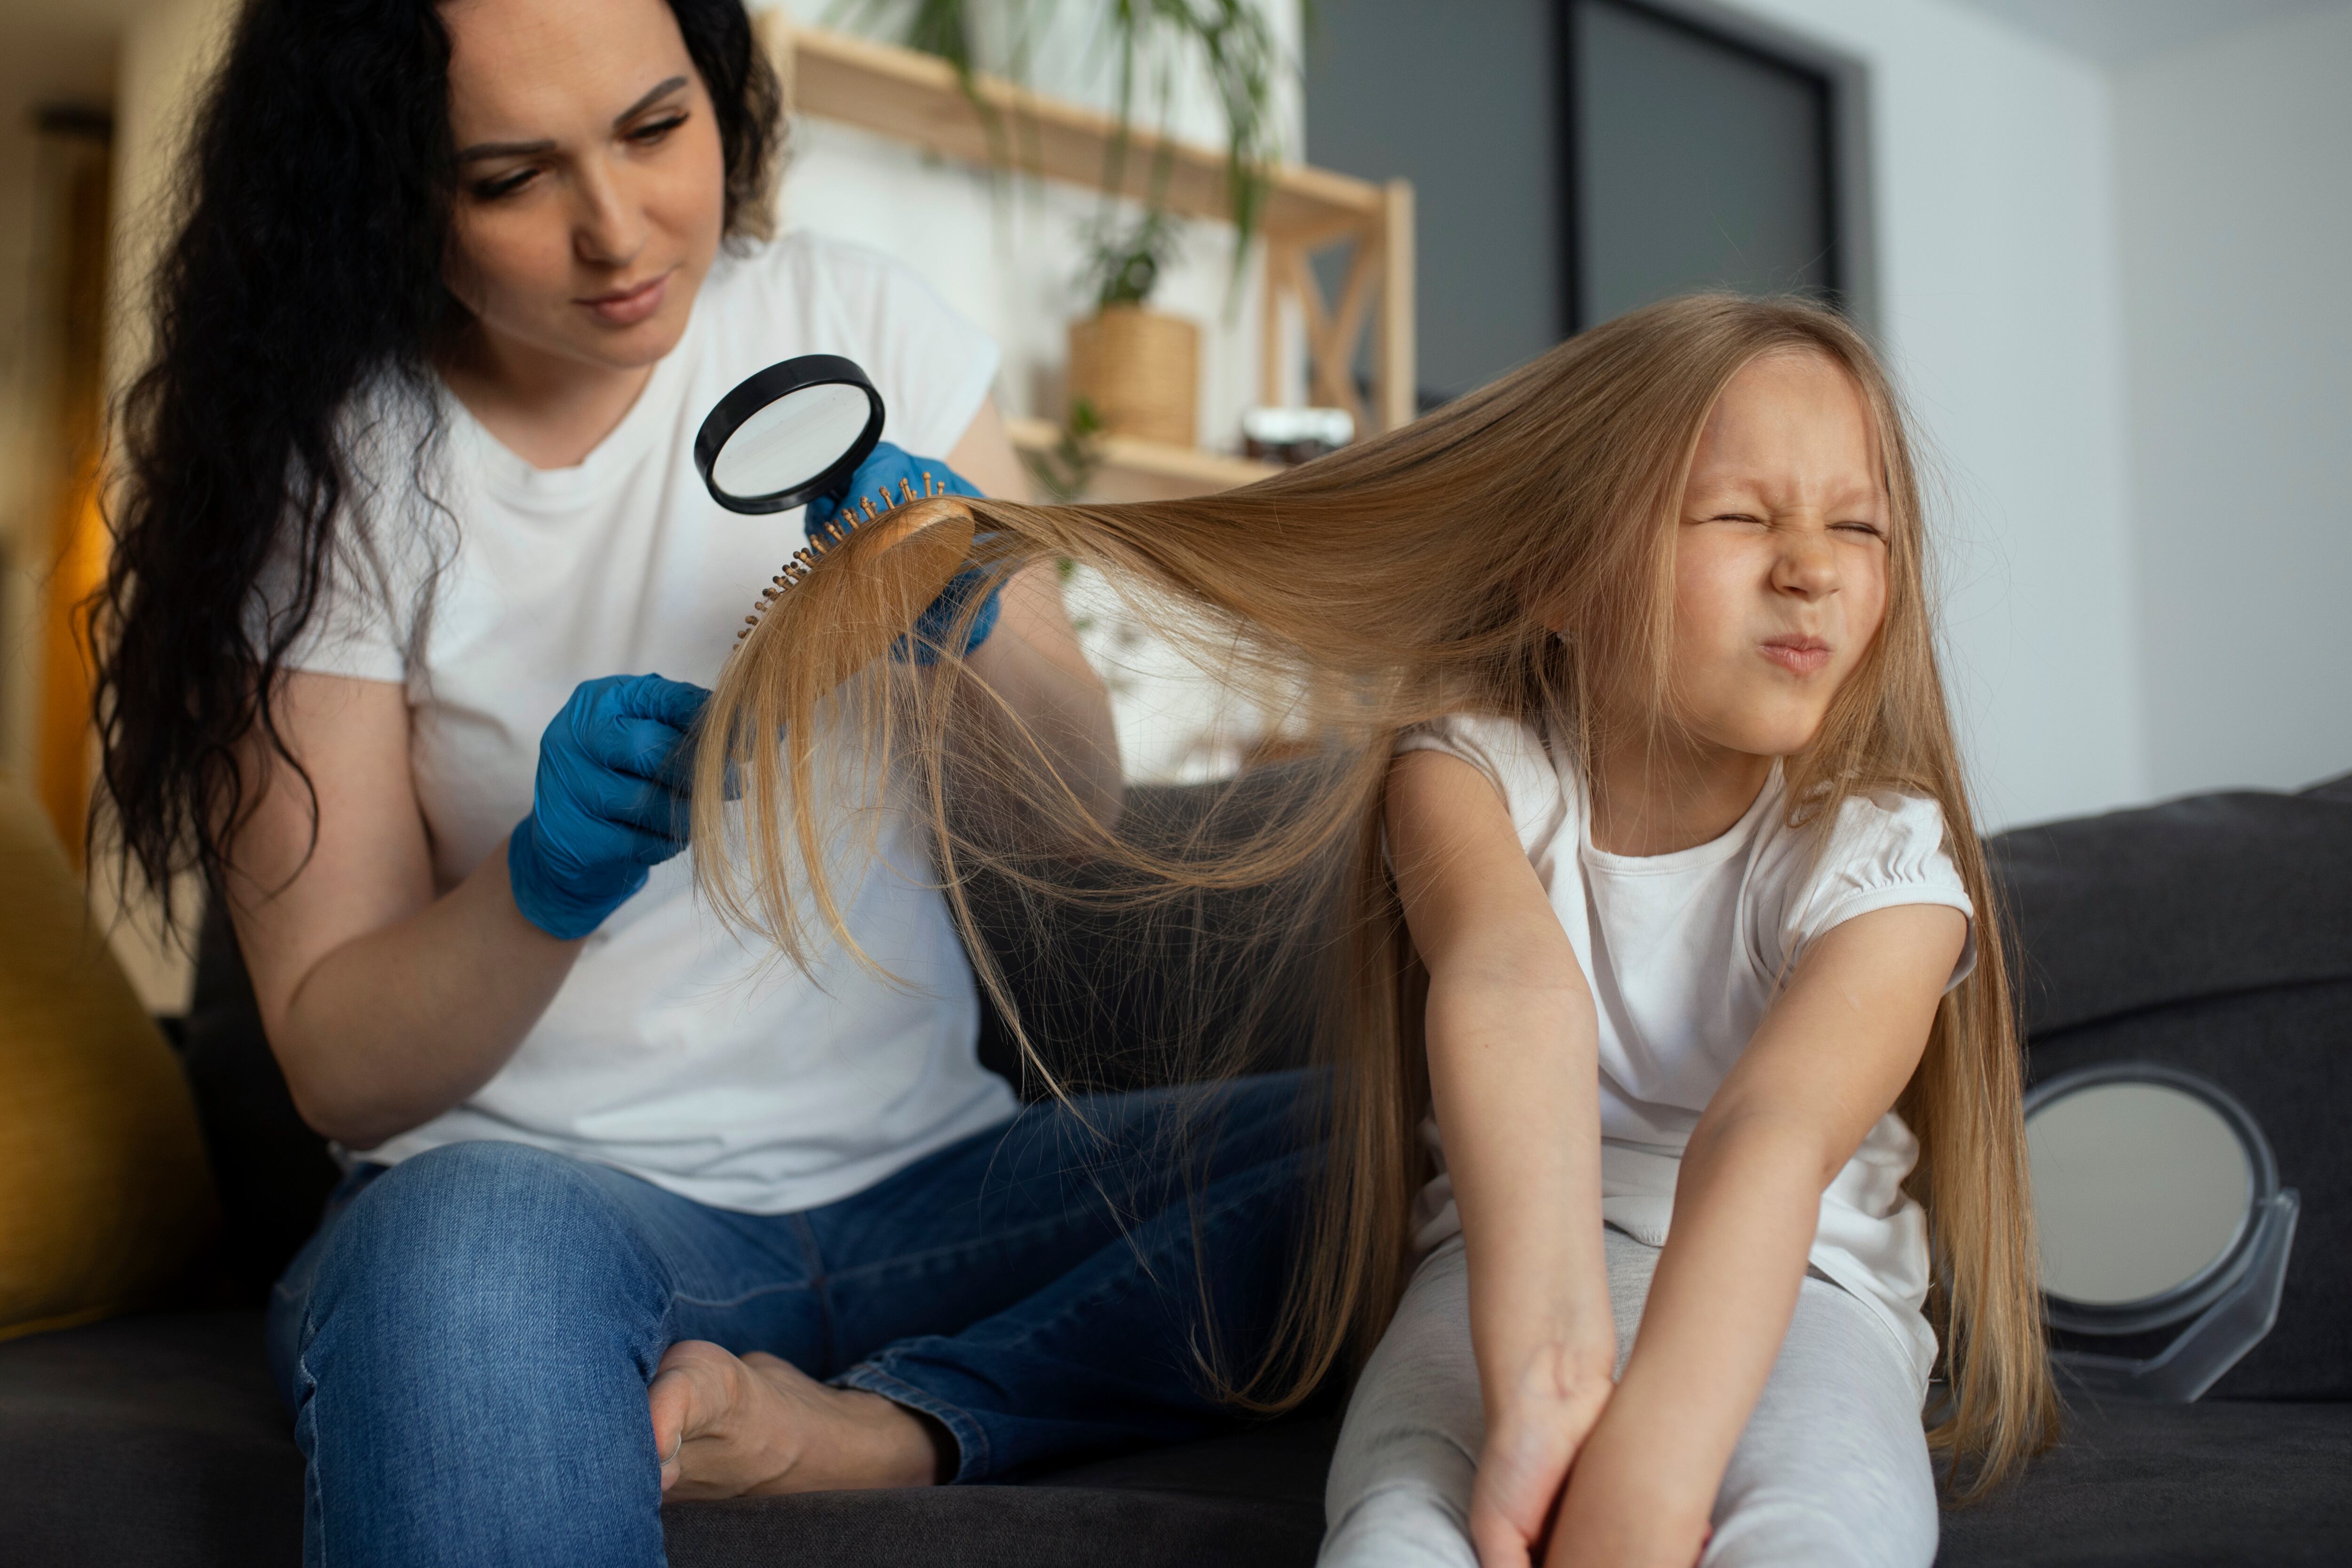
column 2102, row 242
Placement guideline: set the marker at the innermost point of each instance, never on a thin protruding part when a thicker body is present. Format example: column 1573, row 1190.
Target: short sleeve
column 932, row 365
column 1513, row 756
column 361, row 621
column 1884, row 850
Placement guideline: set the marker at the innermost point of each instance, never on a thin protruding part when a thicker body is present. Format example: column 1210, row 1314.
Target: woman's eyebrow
column 650, row 99
column 481, row 150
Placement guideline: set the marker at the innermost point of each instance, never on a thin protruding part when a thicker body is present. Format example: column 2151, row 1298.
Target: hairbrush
column 930, row 530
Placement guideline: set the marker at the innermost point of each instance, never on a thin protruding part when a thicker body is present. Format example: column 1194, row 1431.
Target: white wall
column 2234, row 165
column 1997, row 302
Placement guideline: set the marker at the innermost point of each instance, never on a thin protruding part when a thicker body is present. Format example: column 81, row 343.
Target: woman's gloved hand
column 610, row 800
column 890, row 477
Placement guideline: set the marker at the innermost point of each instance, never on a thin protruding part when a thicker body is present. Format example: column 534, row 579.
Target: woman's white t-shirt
column 673, row 1051
column 1684, row 954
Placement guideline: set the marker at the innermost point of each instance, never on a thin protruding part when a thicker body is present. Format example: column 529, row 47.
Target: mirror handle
column 2221, row 1336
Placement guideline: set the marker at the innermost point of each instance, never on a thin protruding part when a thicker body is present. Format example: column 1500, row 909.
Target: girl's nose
column 1807, row 563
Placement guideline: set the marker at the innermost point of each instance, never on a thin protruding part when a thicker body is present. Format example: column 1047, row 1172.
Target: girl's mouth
column 627, row 307
column 1797, row 656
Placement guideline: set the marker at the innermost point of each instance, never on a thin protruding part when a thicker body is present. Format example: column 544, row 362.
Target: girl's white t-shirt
column 673, row 1051
column 1684, row 954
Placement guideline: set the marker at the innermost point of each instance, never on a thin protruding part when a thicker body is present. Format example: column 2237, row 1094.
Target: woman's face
column 1779, row 558
column 591, row 186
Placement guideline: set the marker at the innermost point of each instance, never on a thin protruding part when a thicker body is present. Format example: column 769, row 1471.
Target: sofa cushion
column 2173, row 1486
column 104, row 1199
column 151, row 1440
column 159, row 1441
column 2195, row 897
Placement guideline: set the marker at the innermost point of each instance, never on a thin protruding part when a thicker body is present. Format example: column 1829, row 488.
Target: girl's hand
column 1624, row 1511
column 1533, row 1434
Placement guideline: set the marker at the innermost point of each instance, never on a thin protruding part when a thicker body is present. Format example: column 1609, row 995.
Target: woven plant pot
column 1141, row 372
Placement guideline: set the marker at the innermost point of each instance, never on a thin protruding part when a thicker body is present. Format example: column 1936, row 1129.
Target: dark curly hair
column 306, row 270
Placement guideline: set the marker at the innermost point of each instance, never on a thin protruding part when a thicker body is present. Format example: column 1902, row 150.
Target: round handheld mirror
column 793, row 432
column 2147, row 1184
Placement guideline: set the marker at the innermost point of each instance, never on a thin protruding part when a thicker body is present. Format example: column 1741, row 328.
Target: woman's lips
column 1799, row 656
column 627, row 307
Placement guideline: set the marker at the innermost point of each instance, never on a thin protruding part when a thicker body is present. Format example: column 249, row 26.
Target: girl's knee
column 1777, row 1531
column 1400, row 1527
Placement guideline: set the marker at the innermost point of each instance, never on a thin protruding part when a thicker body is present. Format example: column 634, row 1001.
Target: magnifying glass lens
column 792, row 441
column 794, row 431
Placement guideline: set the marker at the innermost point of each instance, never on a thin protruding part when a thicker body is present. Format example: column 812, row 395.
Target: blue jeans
column 467, row 1342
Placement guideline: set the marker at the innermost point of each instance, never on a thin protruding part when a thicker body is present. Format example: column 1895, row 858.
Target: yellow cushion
column 104, row 1194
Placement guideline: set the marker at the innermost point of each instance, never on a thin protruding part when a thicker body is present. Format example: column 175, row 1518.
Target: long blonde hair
column 1412, row 575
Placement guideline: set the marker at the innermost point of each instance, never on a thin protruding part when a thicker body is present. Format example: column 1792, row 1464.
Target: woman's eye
column 647, row 135
column 490, row 190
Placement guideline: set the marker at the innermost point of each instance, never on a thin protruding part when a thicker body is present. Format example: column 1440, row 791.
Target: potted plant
column 1137, row 371
column 1228, row 39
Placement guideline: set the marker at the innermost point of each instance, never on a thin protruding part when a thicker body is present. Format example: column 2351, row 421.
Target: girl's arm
column 385, row 1005
column 1512, row 1064
column 1038, row 668
column 1827, row 1063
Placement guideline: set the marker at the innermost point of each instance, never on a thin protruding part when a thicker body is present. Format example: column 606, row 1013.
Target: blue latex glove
column 889, row 477
column 610, row 800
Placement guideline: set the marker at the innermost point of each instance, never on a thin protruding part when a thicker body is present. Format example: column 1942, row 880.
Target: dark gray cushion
column 2195, row 897
column 1253, row 1499
column 156, row 1441
column 2173, row 1486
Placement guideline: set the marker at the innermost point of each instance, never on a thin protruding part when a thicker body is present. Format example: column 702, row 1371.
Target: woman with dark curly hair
column 415, row 596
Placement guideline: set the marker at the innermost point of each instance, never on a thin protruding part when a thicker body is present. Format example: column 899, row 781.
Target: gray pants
column 1830, row 1471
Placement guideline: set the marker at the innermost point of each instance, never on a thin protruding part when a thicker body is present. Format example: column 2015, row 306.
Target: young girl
column 1677, row 979
column 1672, row 984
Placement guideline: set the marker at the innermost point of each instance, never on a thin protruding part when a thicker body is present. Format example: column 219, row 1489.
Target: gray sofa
column 2213, row 933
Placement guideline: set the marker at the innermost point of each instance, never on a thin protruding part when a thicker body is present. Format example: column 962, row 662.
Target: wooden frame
column 917, row 98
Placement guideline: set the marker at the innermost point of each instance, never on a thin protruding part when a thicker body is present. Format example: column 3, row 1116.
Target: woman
column 410, row 527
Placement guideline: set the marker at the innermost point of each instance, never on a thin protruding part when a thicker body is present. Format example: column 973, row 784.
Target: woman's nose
column 608, row 229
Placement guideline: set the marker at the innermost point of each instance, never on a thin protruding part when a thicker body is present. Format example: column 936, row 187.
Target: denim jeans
column 466, row 1340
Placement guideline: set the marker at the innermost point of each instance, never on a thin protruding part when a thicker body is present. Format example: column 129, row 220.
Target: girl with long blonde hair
column 1673, row 1138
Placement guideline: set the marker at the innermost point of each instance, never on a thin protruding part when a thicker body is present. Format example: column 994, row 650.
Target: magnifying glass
column 793, row 432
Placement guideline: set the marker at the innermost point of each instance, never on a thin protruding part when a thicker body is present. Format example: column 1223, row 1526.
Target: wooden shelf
column 1146, row 470
column 915, row 98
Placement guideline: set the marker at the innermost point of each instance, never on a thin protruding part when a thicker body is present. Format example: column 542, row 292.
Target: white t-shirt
column 1684, row 954
column 673, row 1050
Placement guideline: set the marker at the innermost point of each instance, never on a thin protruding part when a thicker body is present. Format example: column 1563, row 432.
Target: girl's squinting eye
column 1868, row 530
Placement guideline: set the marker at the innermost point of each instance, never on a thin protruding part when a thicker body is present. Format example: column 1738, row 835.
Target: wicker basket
column 1141, row 372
